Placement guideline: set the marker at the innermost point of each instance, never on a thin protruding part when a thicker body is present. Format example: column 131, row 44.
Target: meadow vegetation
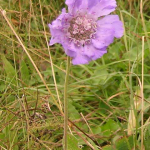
column 109, row 99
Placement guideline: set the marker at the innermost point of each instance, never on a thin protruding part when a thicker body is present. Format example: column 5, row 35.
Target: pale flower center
column 81, row 30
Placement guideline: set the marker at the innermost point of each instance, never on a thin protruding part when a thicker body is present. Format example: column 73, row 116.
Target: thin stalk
column 142, row 95
column 66, row 104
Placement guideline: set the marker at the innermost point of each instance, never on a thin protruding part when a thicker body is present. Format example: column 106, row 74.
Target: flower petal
column 73, row 5
column 92, row 3
column 112, row 22
column 89, row 50
column 80, row 58
column 99, row 53
column 53, row 41
column 55, row 35
column 70, row 53
column 57, row 26
column 104, row 37
column 70, row 49
column 84, row 5
column 93, row 52
column 103, row 7
column 108, row 28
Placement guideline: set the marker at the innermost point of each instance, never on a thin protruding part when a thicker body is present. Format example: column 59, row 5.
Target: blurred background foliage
column 104, row 96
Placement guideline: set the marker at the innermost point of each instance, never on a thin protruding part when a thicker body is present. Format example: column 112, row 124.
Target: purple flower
column 87, row 29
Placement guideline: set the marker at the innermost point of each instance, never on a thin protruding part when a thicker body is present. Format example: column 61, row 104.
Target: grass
column 108, row 99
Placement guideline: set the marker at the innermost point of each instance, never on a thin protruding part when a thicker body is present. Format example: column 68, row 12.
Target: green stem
column 66, row 104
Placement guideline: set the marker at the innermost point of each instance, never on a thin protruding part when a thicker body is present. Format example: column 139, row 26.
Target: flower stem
column 66, row 104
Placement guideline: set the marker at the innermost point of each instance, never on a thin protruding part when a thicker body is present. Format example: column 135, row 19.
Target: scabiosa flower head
column 87, row 29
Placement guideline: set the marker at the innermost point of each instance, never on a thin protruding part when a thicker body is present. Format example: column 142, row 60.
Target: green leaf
column 73, row 113
column 93, row 144
column 125, row 143
column 107, row 147
column 110, row 127
column 10, row 71
column 146, row 138
column 115, row 51
column 72, row 143
column 133, row 54
column 2, row 87
column 100, row 76
column 96, row 130
column 24, row 72
column 2, row 136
